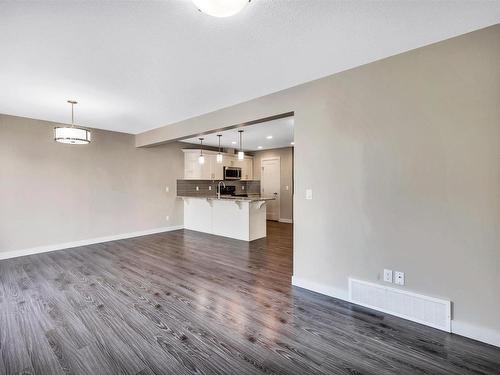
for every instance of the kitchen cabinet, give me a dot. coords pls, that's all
(228, 160)
(247, 169)
(211, 170)
(192, 169)
(246, 166)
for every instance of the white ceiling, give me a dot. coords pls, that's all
(138, 65)
(254, 136)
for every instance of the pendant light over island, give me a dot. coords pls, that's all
(241, 154)
(201, 158)
(219, 154)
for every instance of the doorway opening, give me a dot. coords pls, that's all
(265, 168)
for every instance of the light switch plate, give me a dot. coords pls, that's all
(388, 276)
(399, 278)
(309, 194)
(167, 189)
(197, 188)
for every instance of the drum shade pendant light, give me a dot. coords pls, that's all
(219, 155)
(220, 8)
(201, 158)
(241, 154)
(72, 134)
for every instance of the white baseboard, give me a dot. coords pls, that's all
(483, 334)
(478, 333)
(320, 288)
(68, 245)
(288, 221)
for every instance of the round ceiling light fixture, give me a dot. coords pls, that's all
(220, 8)
(72, 135)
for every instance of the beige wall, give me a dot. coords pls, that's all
(413, 177)
(52, 193)
(286, 176)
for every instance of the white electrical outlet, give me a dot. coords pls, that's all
(243, 187)
(388, 276)
(286, 187)
(167, 189)
(197, 188)
(399, 278)
(209, 187)
(309, 194)
(167, 218)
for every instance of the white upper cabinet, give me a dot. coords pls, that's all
(192, 169)
(211, 170)
(246, 166)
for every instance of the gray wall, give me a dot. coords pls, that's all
(412, 144)
(52, 193)
(286, 176)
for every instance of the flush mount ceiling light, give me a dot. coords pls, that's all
(219, 155)
(72, 134)
(201, 158)
(241, 154)
(269, 137)
(220, 8)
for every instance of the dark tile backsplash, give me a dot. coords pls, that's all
(188, 187)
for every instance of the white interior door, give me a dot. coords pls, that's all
(270, 186)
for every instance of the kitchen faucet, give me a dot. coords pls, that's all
(218, 188)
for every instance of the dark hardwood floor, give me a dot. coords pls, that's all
(190, 303)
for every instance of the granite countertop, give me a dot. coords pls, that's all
(250, 198)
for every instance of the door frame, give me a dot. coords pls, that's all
(279, 179)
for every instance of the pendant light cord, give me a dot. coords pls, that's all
(72, 102)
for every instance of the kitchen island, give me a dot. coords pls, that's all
(242, 218)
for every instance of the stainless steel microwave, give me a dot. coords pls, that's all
(232, 173)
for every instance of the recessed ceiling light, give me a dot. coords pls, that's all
(269, 137)
(220, 8)
(292, 143)
(259, 147)
(233, 142)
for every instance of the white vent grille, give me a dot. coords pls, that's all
(422, 309)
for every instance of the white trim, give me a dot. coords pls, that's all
(289, 221)
(320, 288)
(443, 302)
(483, 334)
(90, 241)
